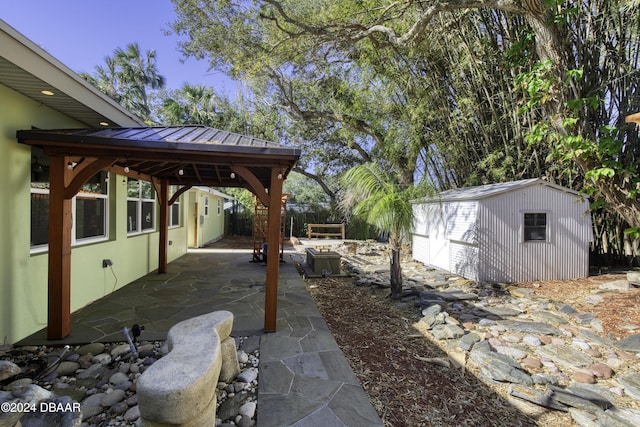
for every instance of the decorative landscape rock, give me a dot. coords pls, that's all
(92, 348)
(630, 343)
(616, 285)
(558, 341)
(631, 384)
(230, 366)
(565, 355)
(105, 404)
(8, 369)
(530, 327)
(48, 413)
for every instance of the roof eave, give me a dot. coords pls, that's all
(35, 61)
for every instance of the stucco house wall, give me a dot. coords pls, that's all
(206, 220)
(23, 269)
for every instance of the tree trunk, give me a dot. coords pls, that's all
(396, 274)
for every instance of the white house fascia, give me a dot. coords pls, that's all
(34, 60)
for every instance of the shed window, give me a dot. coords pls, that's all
(535, 226)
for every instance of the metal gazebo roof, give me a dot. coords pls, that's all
(185, 155)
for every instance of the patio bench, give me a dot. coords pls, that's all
(313, 230)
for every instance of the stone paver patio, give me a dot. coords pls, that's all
(305, 380)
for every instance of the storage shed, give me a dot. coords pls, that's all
(516, 231)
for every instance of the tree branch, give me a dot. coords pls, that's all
(416, 33)
(317, 179)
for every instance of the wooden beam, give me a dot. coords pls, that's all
(60, 220)
(80, 174)
(254, 183)
(179, 193)
(163, 201)
(273, 251)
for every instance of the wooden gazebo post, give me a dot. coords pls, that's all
(163, 201)
(66, 178)
(273, 251)
(212, 157)
(60, 220)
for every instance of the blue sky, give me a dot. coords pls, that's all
(81, 33)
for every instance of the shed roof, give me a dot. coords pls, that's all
(490, 190)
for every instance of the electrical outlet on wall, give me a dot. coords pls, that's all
(106, 263)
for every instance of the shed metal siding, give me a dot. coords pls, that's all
(461, 221)
(463, 259)
(448, 232)
(505, 257)
(420, 234)
(420, 248)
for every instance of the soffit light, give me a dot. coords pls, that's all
(46, 92)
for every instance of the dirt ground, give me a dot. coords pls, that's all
(617, 311)
(387, 354)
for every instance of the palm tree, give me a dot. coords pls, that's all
(136, 73)
(198, 104)
(192, 104)
(126, 77)
(373, 194)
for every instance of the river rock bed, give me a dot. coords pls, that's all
(542, 355)
(95, 384)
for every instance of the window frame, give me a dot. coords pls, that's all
(75, 241)
(140, 202)
(535, 226)
(176, 206)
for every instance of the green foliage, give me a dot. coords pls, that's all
(537, 83)
(129, 77)
(304, 191)
(474, 96)
(634, 232)
(244, 197)
(375, 195)
(202, 106)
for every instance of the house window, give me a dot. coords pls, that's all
(89, 206)
(174, 215)
(174, 209)
(219, 206)
(206, 205)
(535, 226)
(141, 206)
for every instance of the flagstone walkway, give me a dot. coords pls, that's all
(304, 379)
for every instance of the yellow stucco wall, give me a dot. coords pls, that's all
(209, 227)
(23, 275)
